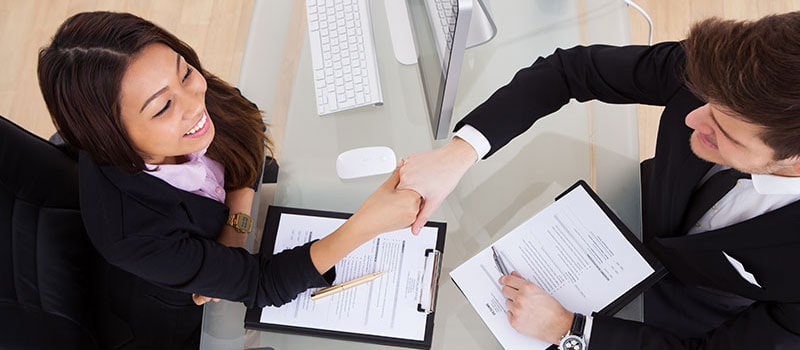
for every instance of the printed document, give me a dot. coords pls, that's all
(571, 249)
(387, 306)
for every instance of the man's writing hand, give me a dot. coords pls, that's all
(534, 312)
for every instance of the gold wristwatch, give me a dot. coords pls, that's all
(241, 222)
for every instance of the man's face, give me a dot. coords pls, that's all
(721, 138)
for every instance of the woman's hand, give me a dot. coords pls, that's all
(434, 174)
(533, 312)
(388, 209)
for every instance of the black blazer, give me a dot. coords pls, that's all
(767, 245)
(160, 243)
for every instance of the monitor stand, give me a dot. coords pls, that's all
(481, 28)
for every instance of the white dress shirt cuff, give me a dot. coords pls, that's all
(475, 139)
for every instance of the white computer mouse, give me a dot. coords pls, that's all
(365, 161)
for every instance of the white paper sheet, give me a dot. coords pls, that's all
(386, 306)
(571, 249)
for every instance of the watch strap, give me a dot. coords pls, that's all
(578, 323)
(573, 340)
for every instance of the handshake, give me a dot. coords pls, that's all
(416, 188)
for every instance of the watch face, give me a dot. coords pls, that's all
(572, 342)
(244, 222)
(240, 222)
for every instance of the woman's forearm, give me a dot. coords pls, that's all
(326, 252)
(238, 201)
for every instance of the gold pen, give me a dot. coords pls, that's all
(344, 286)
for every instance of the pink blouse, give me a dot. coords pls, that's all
(199, 175)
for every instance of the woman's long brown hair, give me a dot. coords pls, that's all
(80, 74)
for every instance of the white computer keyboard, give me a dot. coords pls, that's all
(343, 55)
(442, 15)
(447, 12)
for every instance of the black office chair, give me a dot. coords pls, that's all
(47, 264)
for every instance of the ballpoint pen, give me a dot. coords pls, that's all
(498, 261)
(344, 286)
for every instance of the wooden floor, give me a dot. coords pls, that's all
(217, 29)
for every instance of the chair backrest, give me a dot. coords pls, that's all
(46, 260)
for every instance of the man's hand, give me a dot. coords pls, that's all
(533, 312)
(434, 174)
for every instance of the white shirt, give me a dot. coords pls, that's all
(748, 199)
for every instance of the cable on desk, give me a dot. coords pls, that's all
(646, 16)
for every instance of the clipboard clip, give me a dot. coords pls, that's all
(433, 267)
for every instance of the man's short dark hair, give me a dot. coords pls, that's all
(752, 69)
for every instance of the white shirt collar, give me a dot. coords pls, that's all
(773, 184)
(764, 183)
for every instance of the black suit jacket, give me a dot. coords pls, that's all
(160, 243)
(767, 245)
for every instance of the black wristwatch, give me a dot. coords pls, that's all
(573, 340)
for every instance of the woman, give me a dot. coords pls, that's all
(168, 155)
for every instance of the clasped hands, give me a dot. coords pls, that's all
(416, 188)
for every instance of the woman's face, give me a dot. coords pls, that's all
(163, 106)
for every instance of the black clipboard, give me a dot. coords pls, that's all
(433, 259)
(659, 270)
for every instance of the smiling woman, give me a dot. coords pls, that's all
(62, 62)
(168, 156)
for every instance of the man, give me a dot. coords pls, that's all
(731, 93)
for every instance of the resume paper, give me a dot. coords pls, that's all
(387, 306)
(571, 249)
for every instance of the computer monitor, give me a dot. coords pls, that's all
(442, 30)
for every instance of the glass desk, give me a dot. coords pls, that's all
(591, 141)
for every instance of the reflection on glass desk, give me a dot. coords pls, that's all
(592, 141)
